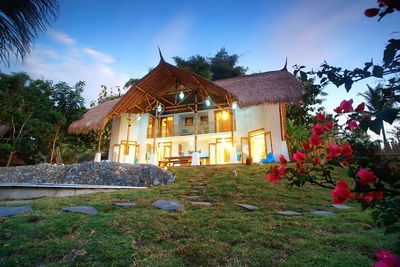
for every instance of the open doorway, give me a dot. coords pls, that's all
(223, 150)
(260, 144)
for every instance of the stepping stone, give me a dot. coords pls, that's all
(167, 205)
(125, 204)
(89, 210)
(289, 213)
(323, 213)
(11, 211)
(201, 203)
(248, 207)
(193, 197)
(341, 207)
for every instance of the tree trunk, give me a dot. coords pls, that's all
(10, 158)
(385, 143)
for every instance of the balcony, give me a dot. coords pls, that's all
(183, 130)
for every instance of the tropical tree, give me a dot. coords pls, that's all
(223, 65)
(20, 24)
(220, 66)
(376, 101)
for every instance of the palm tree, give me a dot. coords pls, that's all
(20, 23)
(376, 101)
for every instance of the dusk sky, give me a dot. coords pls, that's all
(108, 42)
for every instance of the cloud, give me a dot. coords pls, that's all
(61, 37)
(76, 63)
(96, 55)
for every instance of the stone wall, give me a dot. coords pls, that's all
(91, 173)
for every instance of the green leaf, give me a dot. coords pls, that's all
(377, 71)
(393, 229)
(388, 114)
(375, 126)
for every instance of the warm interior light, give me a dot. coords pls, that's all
(139, 118)
(181, 95)
(234, 105)
(225, 115)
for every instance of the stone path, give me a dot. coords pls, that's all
(125, 204)
(11, 211)
(323, 213)
(341, 207)
(248, 207)
(289, 213)
(89, 210)
(167, 205)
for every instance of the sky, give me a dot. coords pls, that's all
(107, 42)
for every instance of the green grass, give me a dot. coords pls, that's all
(221, 234)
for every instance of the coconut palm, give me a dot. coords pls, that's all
(20, 23)
(376, 101)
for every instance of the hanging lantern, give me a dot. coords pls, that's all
(159, 108)
(181, 95)
(208, 101)
(234, 105)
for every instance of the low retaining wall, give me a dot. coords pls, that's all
(31, 191)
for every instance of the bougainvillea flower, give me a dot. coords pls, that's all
(347, 151)
(371, 12)
(329, 126)
(316, 161)
(345, 163)
(283, 160)
(366, 117)
(299, 157)
(386, 259)
(347, 105)
(334, 151)
(275, 175)
(373, 195)
(360, 107)
(318, 129)
(320, 117)
(341, 193)
(366, 176)
(315, 140)
(338, 109)
(306, 146)
(352, 125)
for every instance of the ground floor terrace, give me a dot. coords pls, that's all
(215, 148)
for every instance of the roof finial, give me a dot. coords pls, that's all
(161, 56)
(285, 67)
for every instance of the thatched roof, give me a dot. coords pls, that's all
(266, 87)
(162, 84)
(93, 120)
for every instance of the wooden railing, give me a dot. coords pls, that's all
(182, 130)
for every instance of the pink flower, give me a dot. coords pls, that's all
(338, 110)
(366, 117)
(341, 193)
(274, 175)
(352, 125)
(306, 146)
(329, 126)
(366, 177)
(316, 161)
(320, 117)
(299, 157)
(346, 105)
(318, 129)
(315, 140)
(386, 259)
(347, 151)
(360, 107)
(283, 160)
(373, 195)
(371, 12)
(334, 152)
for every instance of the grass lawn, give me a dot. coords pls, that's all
(221, 234)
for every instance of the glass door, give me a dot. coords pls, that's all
(167, 126)
(164, 150)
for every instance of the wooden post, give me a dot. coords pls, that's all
(155, 131)
(232, 130)
(99, 144)
(126, 149)
(195, 121)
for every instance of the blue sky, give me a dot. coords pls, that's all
(108, 42)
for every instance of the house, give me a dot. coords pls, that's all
(171, 112)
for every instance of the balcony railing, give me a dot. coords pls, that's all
(182, 130)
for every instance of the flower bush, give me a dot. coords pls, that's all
(369, 180)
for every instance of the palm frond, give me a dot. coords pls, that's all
(20, 23)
